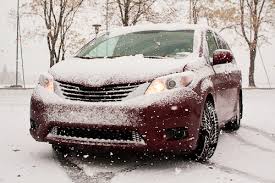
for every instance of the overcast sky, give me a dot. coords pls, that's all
(35, 53)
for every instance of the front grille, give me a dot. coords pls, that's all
(111, 93)
(97, 135)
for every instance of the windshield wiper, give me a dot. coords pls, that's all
(85, 57)
(154, 57)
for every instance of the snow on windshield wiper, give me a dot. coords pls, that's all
(85, 57)
(153, 57)
(182, 54)
(156, 57)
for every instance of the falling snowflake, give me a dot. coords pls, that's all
(86, 156)
(174, 108)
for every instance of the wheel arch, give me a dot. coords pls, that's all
(210, 97)
(207, 91)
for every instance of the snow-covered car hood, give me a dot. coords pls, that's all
(122, 70)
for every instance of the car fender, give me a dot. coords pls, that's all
(205, 88)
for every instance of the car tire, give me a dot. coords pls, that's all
(235, 123)
(208, 134)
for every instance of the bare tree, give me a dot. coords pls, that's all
(131, 11)
(58, 17)
(216, 14)
(194, 11)
(167, 11)
(252, 16)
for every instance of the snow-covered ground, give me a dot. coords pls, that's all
(247, 156)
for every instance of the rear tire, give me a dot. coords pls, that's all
(235, 123)
(208, 135)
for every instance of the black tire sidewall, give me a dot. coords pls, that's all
(205, 147)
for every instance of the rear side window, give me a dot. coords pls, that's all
(226, 47)
(221, 43)
(212, 45)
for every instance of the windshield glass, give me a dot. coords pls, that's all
(149, 43)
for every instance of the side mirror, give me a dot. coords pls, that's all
(222, 57)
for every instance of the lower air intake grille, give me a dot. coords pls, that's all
(110, 93)
(97, 135)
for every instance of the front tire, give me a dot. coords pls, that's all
(208, 135)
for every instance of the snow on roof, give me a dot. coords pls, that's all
(148, 27)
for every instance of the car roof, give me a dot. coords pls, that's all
(154, 27)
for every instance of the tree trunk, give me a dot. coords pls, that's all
(52, 62)
(63, 55)
(252, 53)
(125, 23)
(195, 15)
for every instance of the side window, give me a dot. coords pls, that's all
(212, 45)
(226, 46)
(221, 43)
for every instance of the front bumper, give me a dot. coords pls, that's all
(149, 116)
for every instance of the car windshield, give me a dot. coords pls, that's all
(148, 43)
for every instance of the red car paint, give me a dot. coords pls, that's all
(155, 119)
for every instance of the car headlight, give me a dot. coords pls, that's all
(170, 82)
(46, 80)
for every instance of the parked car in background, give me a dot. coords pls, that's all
(159, 88)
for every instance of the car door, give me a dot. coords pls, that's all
(234, 79)
(221, 81)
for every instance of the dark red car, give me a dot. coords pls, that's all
(158, 88)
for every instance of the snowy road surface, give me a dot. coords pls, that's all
(247, 156)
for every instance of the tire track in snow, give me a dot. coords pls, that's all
(270, 136)
(265, 134)
(240, 173)
(78, 175)
(247, 143)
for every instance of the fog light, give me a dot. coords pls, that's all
(176, 133)
(33, 124)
